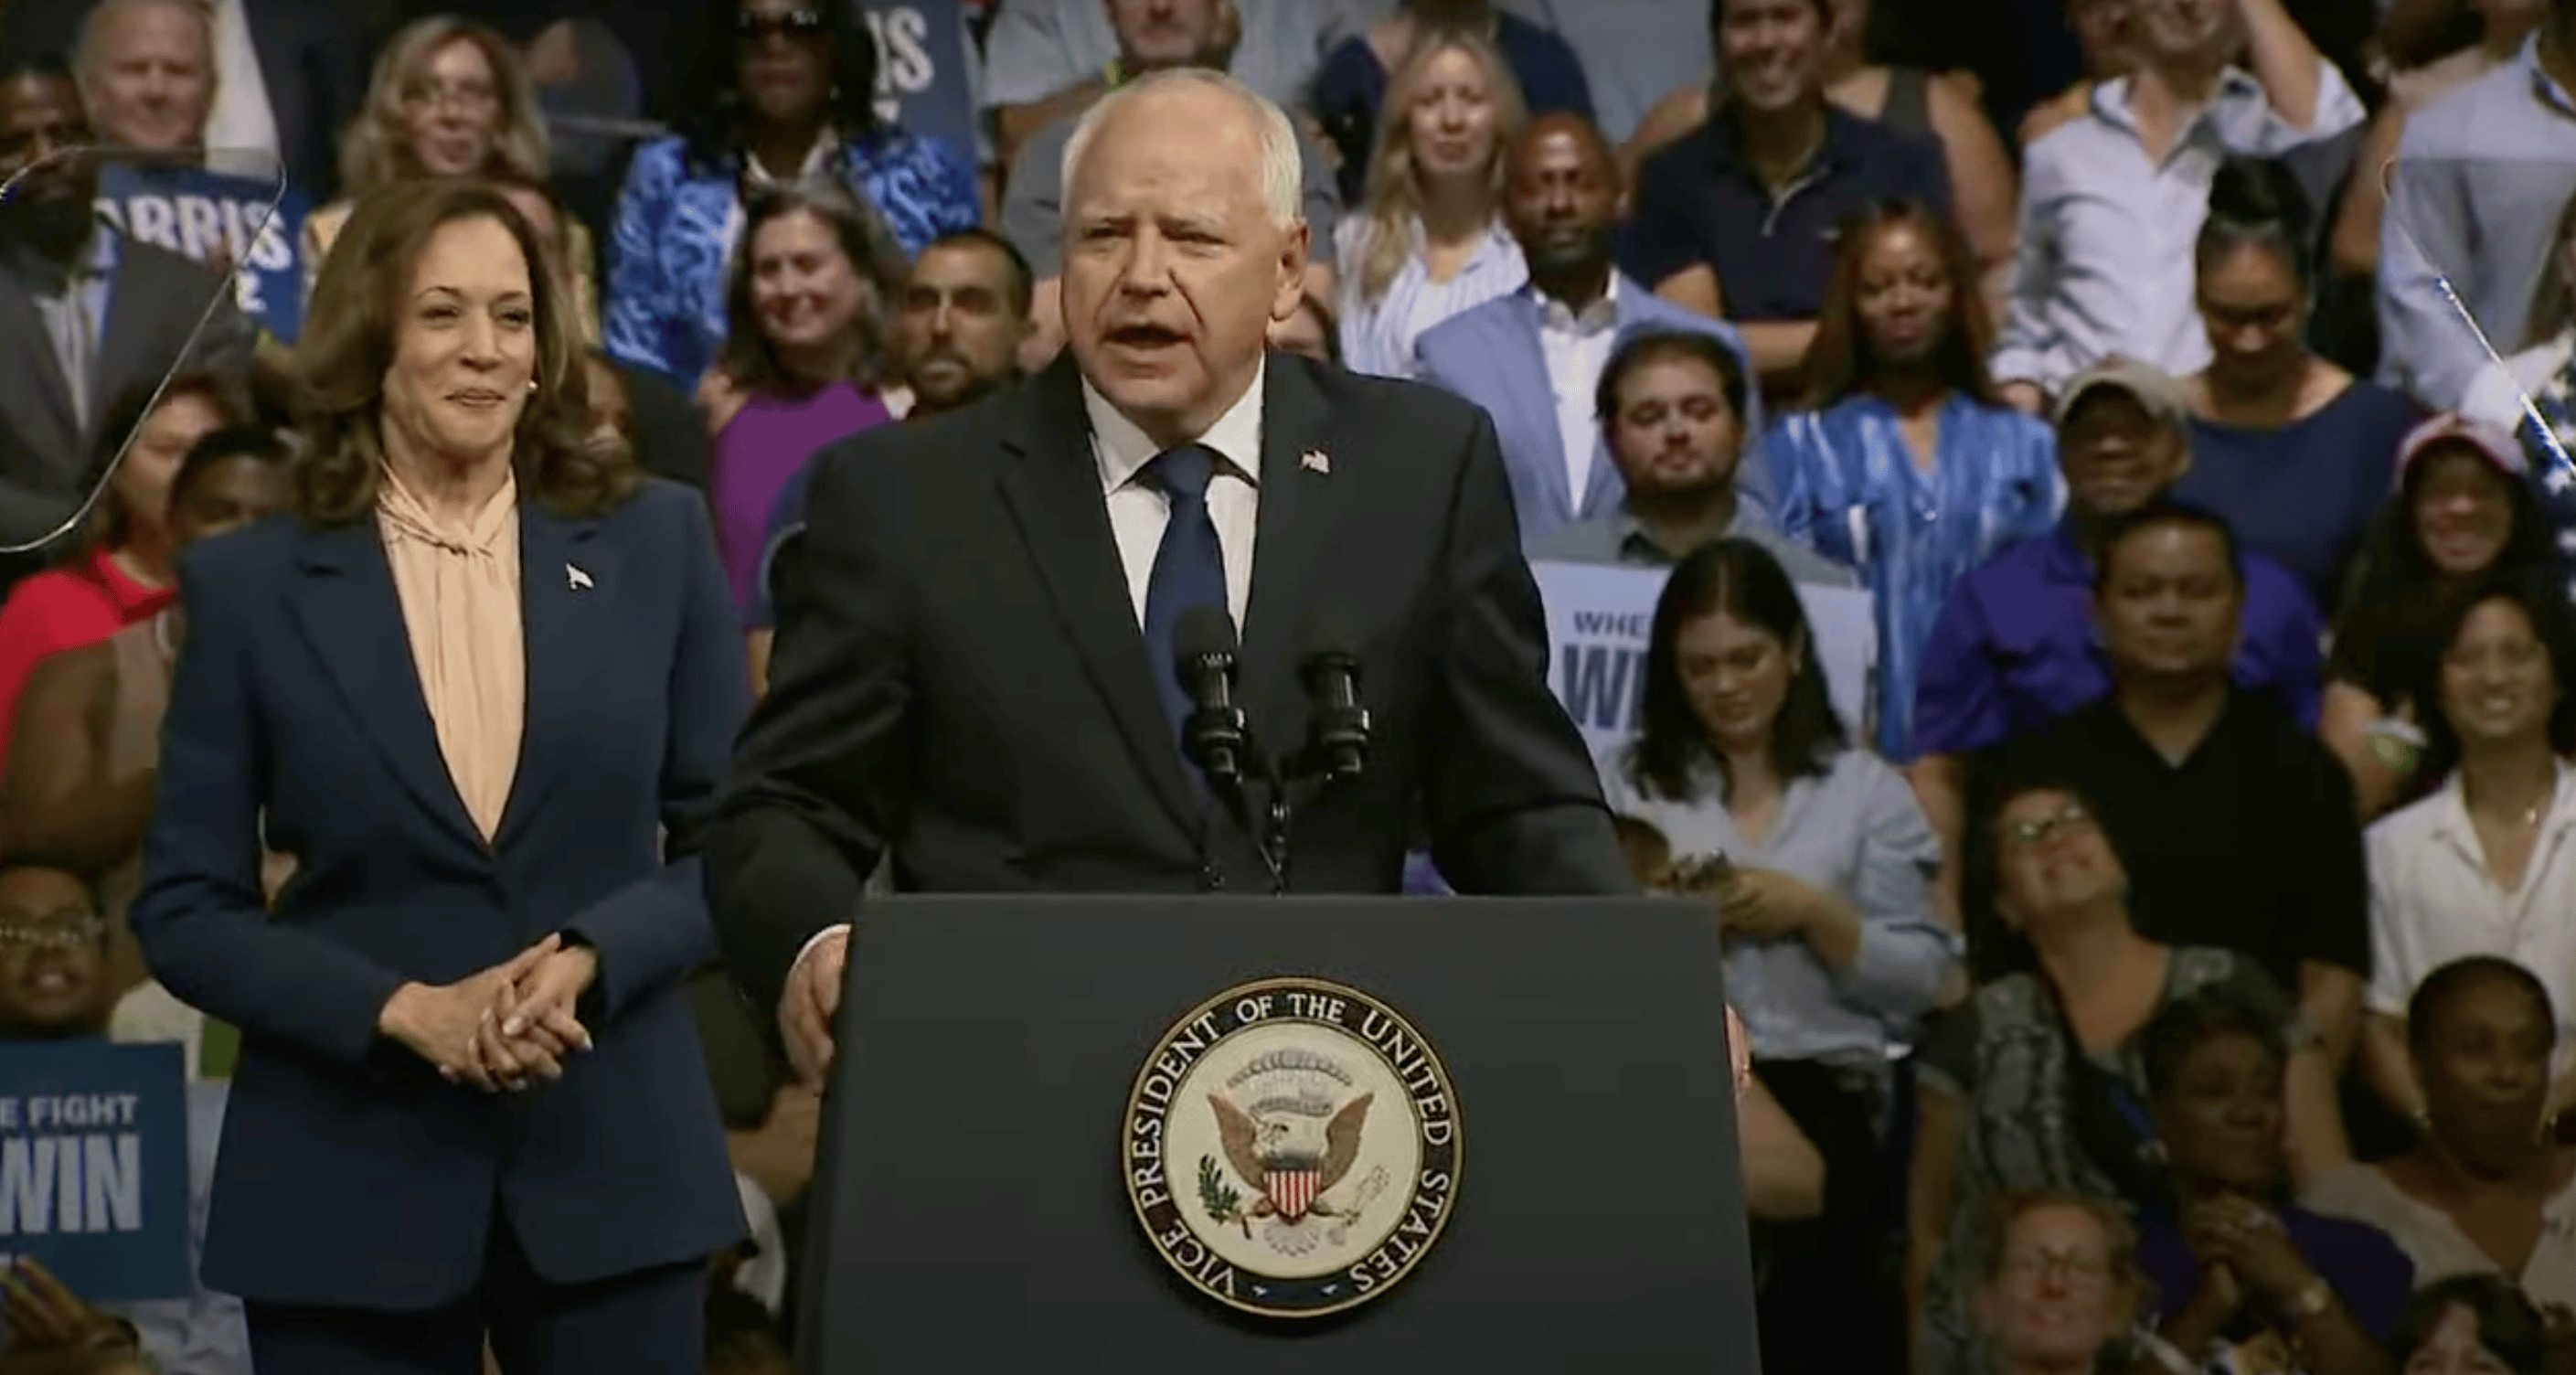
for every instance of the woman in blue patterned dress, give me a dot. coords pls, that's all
(793, 98)
(1904, 463)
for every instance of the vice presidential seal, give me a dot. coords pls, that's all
(1292, 1147)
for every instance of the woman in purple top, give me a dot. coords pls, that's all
(801, 362)
(2242, 1278)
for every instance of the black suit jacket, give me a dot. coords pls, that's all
(313, 61)
(959, 676)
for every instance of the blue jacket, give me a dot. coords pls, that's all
(1491, 355)
(349, 1175)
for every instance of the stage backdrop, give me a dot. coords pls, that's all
(1599, 619)
(94, 1166)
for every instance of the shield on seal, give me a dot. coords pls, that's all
(1292, 1192)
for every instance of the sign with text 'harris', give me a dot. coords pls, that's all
(94, 1165)
(922, 77)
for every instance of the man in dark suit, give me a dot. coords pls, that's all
(959, 677)
(85, 312)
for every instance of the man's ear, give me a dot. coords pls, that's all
(1290, 290)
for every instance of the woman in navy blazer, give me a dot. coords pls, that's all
(470, 1097)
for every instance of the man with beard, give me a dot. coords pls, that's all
(85, 312)
(964, 320)
(1563, 198)
(1670, 403)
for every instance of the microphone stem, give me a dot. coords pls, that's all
(1274, 841)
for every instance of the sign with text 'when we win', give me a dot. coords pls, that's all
(1600, 618)
(94, 1165)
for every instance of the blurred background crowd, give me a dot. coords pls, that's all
(2174, 967)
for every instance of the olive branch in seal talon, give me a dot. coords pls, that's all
(1223, 1204)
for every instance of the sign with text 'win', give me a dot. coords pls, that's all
(94, 1165)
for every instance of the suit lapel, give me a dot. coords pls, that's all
(1298, 505)
(568, 590)
(345, 603)
(43, 412)
(1523, 364)
(135, 293)
(1052, 486)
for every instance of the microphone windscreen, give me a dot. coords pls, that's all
(1204, 632)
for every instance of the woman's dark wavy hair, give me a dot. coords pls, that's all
(2393, 573)
(2542, 600)
(2509, 1324)
(1740, 578)
(348, 342)
(748, 357)
(1840, 361)
(2453, 982)
(714, 131)
(2258, 203)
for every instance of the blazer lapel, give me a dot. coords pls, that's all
(1290, 537)
(42, 413)
(568, 589)
(1522, 363)
(136, 292)
(345, 602)
(1052, 487)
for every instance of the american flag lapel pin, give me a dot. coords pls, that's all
(1316, 461)
(575, 578)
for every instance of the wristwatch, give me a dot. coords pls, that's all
(2309, 1302)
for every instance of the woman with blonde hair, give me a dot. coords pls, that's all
(449, 98)
(1429, 241)
(471, 686)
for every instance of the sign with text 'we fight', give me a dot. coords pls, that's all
(94, 1165)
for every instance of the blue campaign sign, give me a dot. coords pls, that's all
(94, 1165)
(210, 217)
(922, 80)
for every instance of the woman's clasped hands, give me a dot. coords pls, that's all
(509, 1027)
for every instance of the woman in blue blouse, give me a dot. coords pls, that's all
(1822, 865)
(792, 98)
(1905, 463)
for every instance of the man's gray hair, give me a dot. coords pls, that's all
(88, 52)
(1283, 171)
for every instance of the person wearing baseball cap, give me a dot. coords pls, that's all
(2465, 507)
(2014, 648)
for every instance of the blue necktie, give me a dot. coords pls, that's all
(1189, 568)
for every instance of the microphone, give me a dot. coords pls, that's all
(1337, 726)
(1216, 734)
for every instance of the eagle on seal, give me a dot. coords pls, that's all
(1277, 1152)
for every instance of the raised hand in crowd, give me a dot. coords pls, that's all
(443, 1024)
(52, 1331)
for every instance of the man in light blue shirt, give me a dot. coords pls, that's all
(2481, 179)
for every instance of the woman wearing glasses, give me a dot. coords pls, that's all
(791, 97)
(2037, 1081)
(448, 99)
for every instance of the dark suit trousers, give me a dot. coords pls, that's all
(649, 1323)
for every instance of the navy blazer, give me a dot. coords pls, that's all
(350, 1175)
(1491, 355)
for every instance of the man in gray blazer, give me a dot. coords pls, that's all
(1533, 359)
(86, 314)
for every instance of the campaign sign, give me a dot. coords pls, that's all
(922, 81)
(94, 1165)
(1600, 617)
(213, 217)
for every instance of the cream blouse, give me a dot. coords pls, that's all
(459, 588)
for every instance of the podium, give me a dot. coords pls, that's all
(973, 1207)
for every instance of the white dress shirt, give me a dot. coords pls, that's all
(242, 121)
(2432, 901)
(1577, 348)
(1138, 510)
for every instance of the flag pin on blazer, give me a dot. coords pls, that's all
(1316, 461)
(575, 578)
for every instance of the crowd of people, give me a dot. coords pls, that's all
(2168, 970)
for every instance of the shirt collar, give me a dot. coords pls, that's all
(2544, 87)
(1602, 314)
(2452, 821)
(96, 261)
(817, 161)
(2111, 98)
(1725, 145)
(1123, 449)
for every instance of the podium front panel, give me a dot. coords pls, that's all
(972, 1215)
